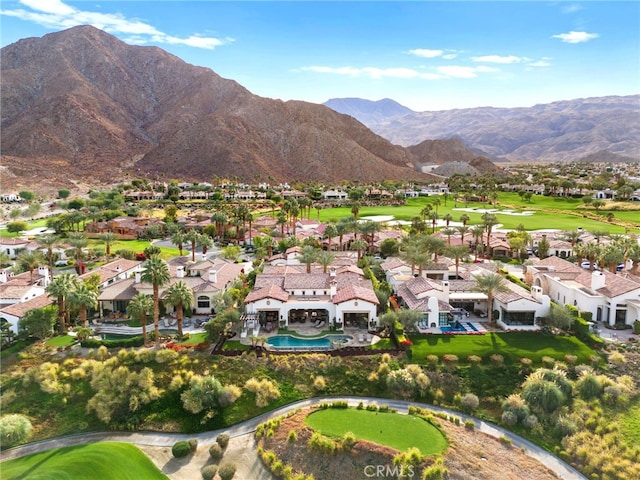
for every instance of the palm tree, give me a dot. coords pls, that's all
(204, 242)
(477, 231)
(325, 258)
(457, 252)
(448, 232)
(359, 245)
(83, 297)
(192, 237)
(49, 241)
(355, 210)
(463, 230)
(60, 288)
(489, 220)
(108, 238)
(79, 242)
(308, 255)
(178, 239)
(464, 218)
(180, 296)
(139, 308)
(330, 231)
(156, 272)
(30, 260)
(490, 284)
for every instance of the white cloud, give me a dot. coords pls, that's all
(426, 53)
(458, 71)
(441, 72)
(55, 14)
(571, 8)
(49, 6)
(498, 59)
(576, 37)
(372, 72)
(543, 62)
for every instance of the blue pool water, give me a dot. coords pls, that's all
(461, 328)
(287, 341)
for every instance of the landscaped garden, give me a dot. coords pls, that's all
(401, 432)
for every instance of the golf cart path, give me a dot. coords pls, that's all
(154, 439)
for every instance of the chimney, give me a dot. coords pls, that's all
(180, 271)
(118, 268)
(445, 289)
(597, 280)
(138, 277)
(536, 292)
(3, 276)
(332, 272)
(213, 276)
(44, 273)
(333, 285)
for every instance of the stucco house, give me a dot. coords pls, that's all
(286, 294)
(613, 298)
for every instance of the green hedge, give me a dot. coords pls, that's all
(123, 343)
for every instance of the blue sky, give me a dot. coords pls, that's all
(425, 55)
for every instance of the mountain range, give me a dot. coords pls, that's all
(82, 106)
(606, 128)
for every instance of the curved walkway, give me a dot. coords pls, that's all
(562, 469)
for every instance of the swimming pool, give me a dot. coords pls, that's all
(322, 343)
(459, 327)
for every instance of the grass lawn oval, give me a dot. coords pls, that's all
(102, 460)
(390, 429)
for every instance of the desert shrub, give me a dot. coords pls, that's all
(469, 425)
(292, 437)
(348, 440)
(14, 428)
(530, 421)
(474, 360)
(193, 444)
(516, 404)
(222, 440)
(509, 418)
(166, 355)
(215, 452)
(497, 360)
(469, 402)
(209, 471)
(227, 471)
(432, 360)
(565, 426)
(505, 441)
(319, 384)
(616, 358)
(181, 449)
(228, 395)
(264, 389)
(548, 362)
(437, 471)
(589, 385)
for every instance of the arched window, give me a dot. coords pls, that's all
(204, 301)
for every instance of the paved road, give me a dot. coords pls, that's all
(562, 469)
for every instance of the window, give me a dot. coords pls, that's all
(204, 301)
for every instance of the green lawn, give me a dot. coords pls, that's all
(32, 224)
(194, 339)
(391, 429)
(549, 212)
(60, 341)
(512, 345)
(631, 424)
(103, 460)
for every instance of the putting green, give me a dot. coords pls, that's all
(102, 460)
(391, 429)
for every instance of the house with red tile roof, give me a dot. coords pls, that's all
(613, 298)
(285, 294)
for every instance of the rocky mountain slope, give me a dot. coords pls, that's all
(81, 105)
(559, 131)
